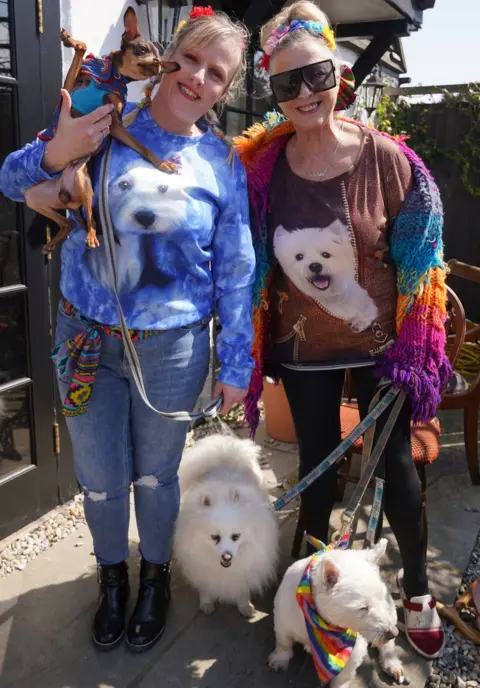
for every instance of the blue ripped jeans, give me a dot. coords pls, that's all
(120, 441)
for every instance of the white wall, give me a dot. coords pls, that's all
(99, 23)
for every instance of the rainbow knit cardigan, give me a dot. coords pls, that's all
(416, 362)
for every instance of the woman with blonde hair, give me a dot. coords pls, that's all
(348, 238)
(183, 249)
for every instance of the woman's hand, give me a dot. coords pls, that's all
(231, 396)
(75, 137)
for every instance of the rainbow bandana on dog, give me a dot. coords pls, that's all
(331, 646)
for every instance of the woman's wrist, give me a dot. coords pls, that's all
(53, 161)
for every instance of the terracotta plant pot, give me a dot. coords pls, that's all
(278, 419)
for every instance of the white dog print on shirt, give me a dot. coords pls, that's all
(143, 202)
(321, 263)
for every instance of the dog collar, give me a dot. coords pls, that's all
(331, 646)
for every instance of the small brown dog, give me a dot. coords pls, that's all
(94, 82)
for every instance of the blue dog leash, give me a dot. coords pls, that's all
(370, 460)
(212, 409)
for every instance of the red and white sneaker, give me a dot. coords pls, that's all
(423, 626)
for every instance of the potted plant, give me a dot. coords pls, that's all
(278, 418)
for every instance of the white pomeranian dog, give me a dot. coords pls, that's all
(226, 536)
(348, 593)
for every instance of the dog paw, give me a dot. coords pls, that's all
(68, 42)
(65, 38)
(394, 668)
(164, 165)
(92, 241)
(279, 660)
(207, 607)
(246, 609)
(358, 325)
(48, 248)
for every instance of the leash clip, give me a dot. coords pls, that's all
(345, 528)
(212, 409)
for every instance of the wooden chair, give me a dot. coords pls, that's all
(425, 437)
(469, 399)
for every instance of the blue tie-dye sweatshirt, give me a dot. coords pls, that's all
(183, 241)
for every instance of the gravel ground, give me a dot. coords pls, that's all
(57, 525)
(459, 664)
(66, 519)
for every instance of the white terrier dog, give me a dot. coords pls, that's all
(226, 537)
(321, 263)
(348, 593)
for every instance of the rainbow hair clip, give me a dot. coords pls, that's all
(316, 28)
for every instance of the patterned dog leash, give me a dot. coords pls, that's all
(370, 460)
(212, 409)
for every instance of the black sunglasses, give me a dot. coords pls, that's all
(319, 76)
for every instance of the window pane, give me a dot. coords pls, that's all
(10, 272)
(13, 353)
(15, 433)
(5, 47)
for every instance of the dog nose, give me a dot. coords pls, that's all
(315, 267)
(390, 635)
(226, 557)
(145, 217)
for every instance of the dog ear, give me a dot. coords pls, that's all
(280, 230)
(330, 574)
(130, 23)
(168, 66)
(375, 554)
(338, 232)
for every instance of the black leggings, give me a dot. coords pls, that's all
(314, 399)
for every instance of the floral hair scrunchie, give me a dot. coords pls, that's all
(202, 12)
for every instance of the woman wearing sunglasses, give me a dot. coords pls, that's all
(347, 230)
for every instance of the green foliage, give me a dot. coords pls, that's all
(415, 121)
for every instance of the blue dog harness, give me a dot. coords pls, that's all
(104, 78)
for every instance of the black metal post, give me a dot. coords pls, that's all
(250, 86)
(371, 56)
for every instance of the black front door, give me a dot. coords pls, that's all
(34, 475)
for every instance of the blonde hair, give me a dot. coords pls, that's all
(304, 9)
(200, 32)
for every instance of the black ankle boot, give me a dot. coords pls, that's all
(109, 620)
(148, 619)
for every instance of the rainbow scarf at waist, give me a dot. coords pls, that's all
(77, 359)
(331, 646)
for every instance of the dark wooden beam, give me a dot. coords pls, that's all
(250, 86)
(424, 4)
(258, 12)
(399, 27)
(372, 55)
